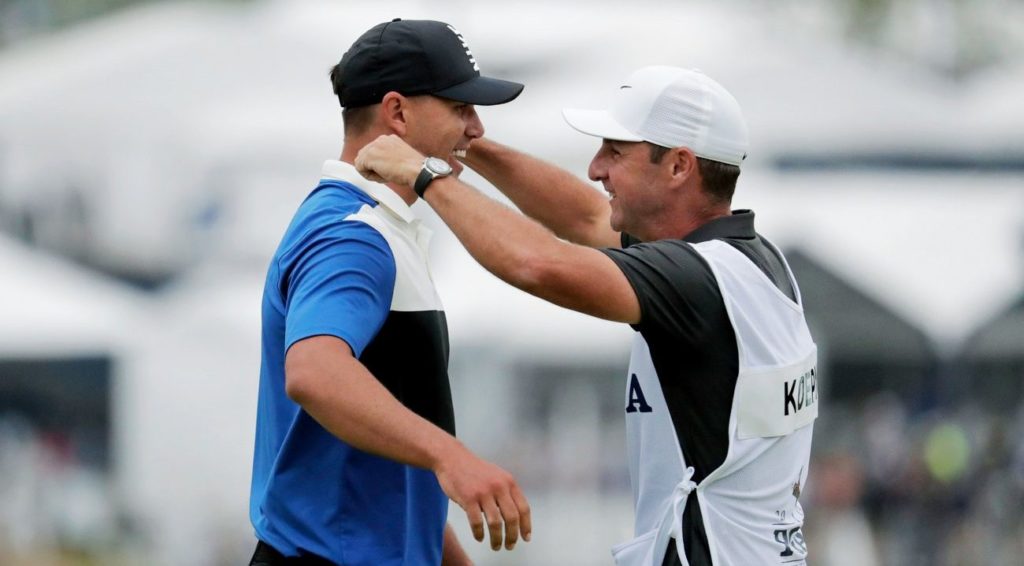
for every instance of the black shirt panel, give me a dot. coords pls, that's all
(738, 225)
(695, 537)
(409, 356)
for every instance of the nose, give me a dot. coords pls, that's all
(598, 170)
(474, 126)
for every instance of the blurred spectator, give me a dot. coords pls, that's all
(841, 534)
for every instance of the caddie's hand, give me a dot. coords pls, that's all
(388, 159)
(486, 492)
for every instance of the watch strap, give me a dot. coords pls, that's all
(422, 181)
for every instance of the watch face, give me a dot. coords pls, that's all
(437, 166)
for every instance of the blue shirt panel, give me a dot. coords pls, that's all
(311, 492)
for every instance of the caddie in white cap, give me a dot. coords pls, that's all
(721, 394)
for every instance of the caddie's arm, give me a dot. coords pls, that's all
(513, 247)
(571, 208)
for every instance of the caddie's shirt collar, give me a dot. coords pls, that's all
(738, 225)
(341, 171)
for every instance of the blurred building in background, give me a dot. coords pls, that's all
(151, 154)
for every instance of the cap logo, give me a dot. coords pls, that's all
(466, 47)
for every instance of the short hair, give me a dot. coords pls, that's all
(356, 120)
(657, 152)
(719, 179)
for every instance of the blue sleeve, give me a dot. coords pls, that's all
(338, 284)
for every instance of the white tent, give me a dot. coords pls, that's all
(188, 418)
(941, 250)
(53, 307)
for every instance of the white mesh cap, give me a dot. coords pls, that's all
(671, 107)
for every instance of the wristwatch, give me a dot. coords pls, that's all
(433, 167)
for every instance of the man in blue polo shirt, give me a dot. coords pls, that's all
(355, 455)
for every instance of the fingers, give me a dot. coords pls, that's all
(525, 520)
(389, 159)
(476, 522)
(488, 495)
(509, 510)
(363, 168)
(510, 513)
(369, 158)
(514, 511)
(494, 522)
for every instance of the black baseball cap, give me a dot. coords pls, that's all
(415, 57)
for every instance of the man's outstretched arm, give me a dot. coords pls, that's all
(516, 249)
(568, 206)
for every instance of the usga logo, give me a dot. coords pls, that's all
(466, 47)
(793, 541)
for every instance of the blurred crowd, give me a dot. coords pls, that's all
(57, 507)
(891, 485)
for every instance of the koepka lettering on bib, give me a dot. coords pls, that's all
(777, 401)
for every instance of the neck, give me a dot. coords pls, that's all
(682, 225)
(707, 215)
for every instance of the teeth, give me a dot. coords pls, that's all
(459, 152)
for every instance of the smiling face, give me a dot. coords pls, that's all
(636, 186)
(442, 128)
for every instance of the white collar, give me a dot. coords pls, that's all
(381, 193)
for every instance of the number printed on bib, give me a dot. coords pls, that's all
(777, 401)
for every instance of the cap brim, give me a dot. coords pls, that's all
(598, 123)
(483, 91)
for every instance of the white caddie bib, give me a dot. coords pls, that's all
(750, 503)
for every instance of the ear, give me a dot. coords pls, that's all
(393, 109)
(684, 165)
